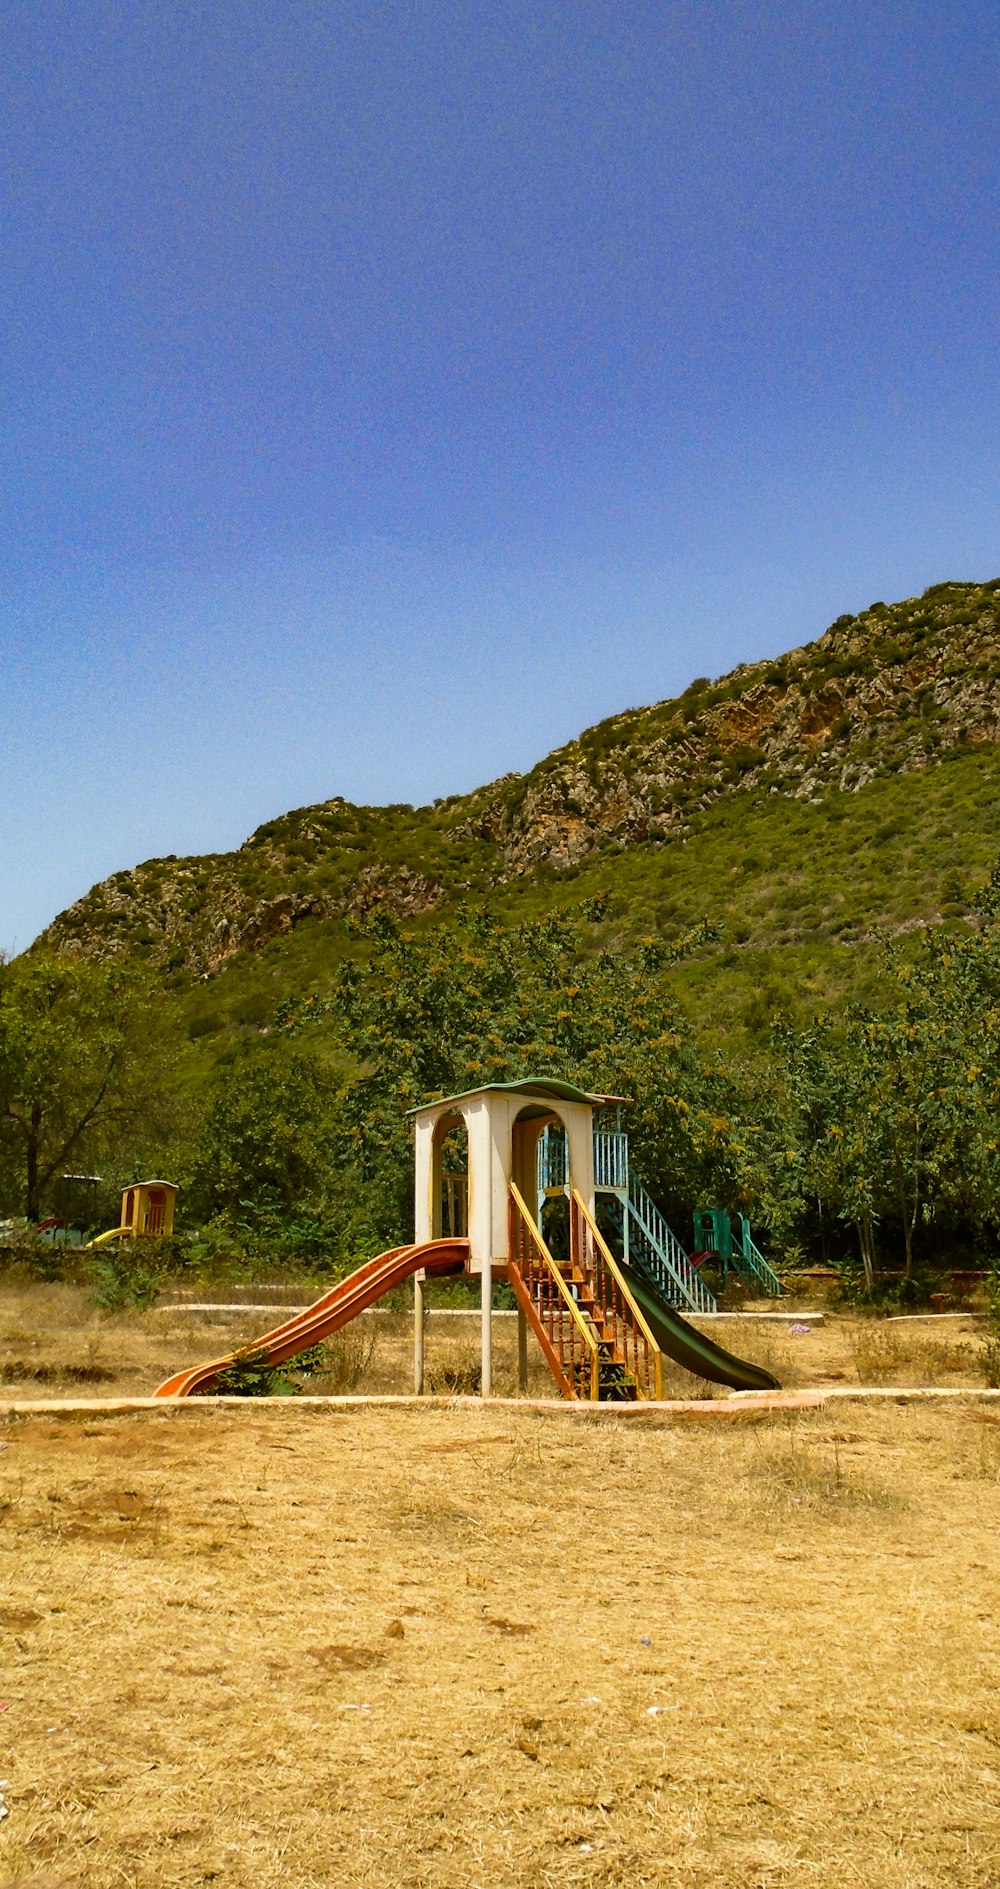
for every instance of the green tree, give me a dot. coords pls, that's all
(78, 1068)
(265, 1137)
(895, 1110)
(454, 1008)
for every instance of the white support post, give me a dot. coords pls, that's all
(418, 1337)
(522, 1350)
(486, 1384)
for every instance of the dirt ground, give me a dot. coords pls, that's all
(54, 1343)
(431, 1648)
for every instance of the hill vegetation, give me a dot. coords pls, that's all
(891, 693)
(807, 809)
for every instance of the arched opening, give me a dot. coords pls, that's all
(552, 1182)
(450, 1179)
(540, 1169)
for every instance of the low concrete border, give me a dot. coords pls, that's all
(754, 1402)
(737, 1404)
(186, 1307)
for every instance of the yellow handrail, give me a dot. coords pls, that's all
(550, 1270)
(553, 1268)
(618, 1272)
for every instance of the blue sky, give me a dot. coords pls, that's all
(390, 391)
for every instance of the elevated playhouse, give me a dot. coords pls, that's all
(487, 1162)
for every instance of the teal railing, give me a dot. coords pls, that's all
(659, 1253)
(646, 1237)
(749, 1260)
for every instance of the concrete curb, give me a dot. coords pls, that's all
(746, 1404)
(186, 1308)
(737, 1404)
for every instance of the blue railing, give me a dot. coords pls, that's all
(645, 1235)
(552, 1160)
(610, 1159)
(659, 1252)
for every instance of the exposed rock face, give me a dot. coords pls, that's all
(272, 918)
(402, 892)
(891, 690)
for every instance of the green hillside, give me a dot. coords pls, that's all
(798, 804)
(792, 816)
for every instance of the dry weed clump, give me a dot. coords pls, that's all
(886, 1354)
(347, 1360)
(813, 1472)
(430, 1649)
(460, 1375)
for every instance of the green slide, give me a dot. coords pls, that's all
(690, 1348)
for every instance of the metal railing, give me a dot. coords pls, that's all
(646, 1237)
(656, 1249)
(745, 1253)
(610, 1159)
(566, 1335)
(552, 1159)
(633, 1361)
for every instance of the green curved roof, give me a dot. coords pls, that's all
(548, 1088)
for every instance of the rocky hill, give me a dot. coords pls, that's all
(894, 690)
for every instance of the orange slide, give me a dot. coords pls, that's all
(334, 1309)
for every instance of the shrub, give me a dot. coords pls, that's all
(129, 1275)
(207, 1024)
(252, 1375)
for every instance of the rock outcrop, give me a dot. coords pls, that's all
(892, 690)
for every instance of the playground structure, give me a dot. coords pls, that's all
(74, 1198)
(725, 1239)
(147, 1213)
(603, 1322)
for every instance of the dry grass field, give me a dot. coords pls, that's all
(437, 1648)
(54, 1343)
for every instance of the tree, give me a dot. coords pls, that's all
(895, 1110)
(76, 1067)
(461, 1006)
(264, 1141)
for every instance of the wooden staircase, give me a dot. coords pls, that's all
(591, 1332)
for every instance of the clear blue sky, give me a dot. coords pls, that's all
(391, 390)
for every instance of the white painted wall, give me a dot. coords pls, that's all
(489, 1117)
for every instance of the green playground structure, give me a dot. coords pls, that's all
(724, 1238)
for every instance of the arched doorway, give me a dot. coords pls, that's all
(451, 1178)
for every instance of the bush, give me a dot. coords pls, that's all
(207, 1024)
(130, 1274)
(252, 1375)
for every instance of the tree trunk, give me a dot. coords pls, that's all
(867, 1249)
(908, 1225)
(33, 1205)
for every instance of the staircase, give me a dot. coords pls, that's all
(752, 1267)
(592, 1334)
(647, 1241)
(652, 1246)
